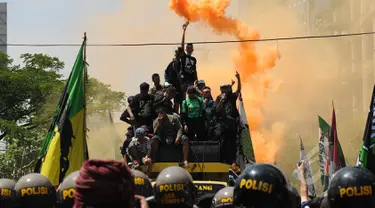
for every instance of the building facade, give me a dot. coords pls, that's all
(3, 42)
(355, 66)
(3, 27)
(356, 63)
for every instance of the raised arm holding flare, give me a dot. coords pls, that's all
(184, 26)
(188, 73)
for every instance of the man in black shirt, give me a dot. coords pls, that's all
(227, 113)
(172, 76)
(125, 116)
(142, 107)
(189, 63)
(157, 86)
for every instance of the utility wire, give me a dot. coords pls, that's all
(196, 43)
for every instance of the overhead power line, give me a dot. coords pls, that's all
(196, 43)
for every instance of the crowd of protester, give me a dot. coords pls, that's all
(107, 184)
(174, 113)
(180, 110)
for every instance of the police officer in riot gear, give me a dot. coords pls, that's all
(174, 188)
(352, 187)
(262, 185)
(223, 198)
(35, 191)
(66, 192)
(7, 193)
(142, 183)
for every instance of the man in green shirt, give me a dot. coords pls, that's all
(193, 116)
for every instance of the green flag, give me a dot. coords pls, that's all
(324, 130)
(366, 157)
(64, 149)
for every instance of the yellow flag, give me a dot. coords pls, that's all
(64, 149)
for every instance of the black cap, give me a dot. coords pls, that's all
(66, 192)
(35, 190)
(261, 185)
(352, 187)
(174, 188)
(142, 183)
(130, 98)
(223, 198)
(7, 193)
(191, 90)
(144, 86)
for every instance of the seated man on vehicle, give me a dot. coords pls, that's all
(193, 116)
(124, 149)
(139, 148)
(168, 130)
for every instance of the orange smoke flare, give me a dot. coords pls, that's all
(248, 62)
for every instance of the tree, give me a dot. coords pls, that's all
(28, 98)
(100, 97)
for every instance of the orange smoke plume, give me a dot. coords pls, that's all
(248, 62)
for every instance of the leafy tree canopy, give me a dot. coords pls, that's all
(28, 98)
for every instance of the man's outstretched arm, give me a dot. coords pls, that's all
(184, 26)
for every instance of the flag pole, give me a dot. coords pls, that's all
(85, 80)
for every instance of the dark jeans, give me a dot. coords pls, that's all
(169, 140)
(229, 146)
(196, 129)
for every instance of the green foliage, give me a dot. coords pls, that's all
(100, 97)
(28, 98)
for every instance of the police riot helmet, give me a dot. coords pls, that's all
(66, 191)
(7, 193)
(174, 188)
(352, 187)
(294, 197)
(223, 198)
(142, 183)
(35, 190)
(261, 185)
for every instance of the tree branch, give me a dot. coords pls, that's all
(3, 110)
(28, 165)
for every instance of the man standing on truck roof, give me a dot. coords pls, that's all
(193, 116)
(227, 112)
(157, 86)
(141, 107)
(172, 76)
(189, 73)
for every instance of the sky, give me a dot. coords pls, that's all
(58, 21)
(114, 21)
